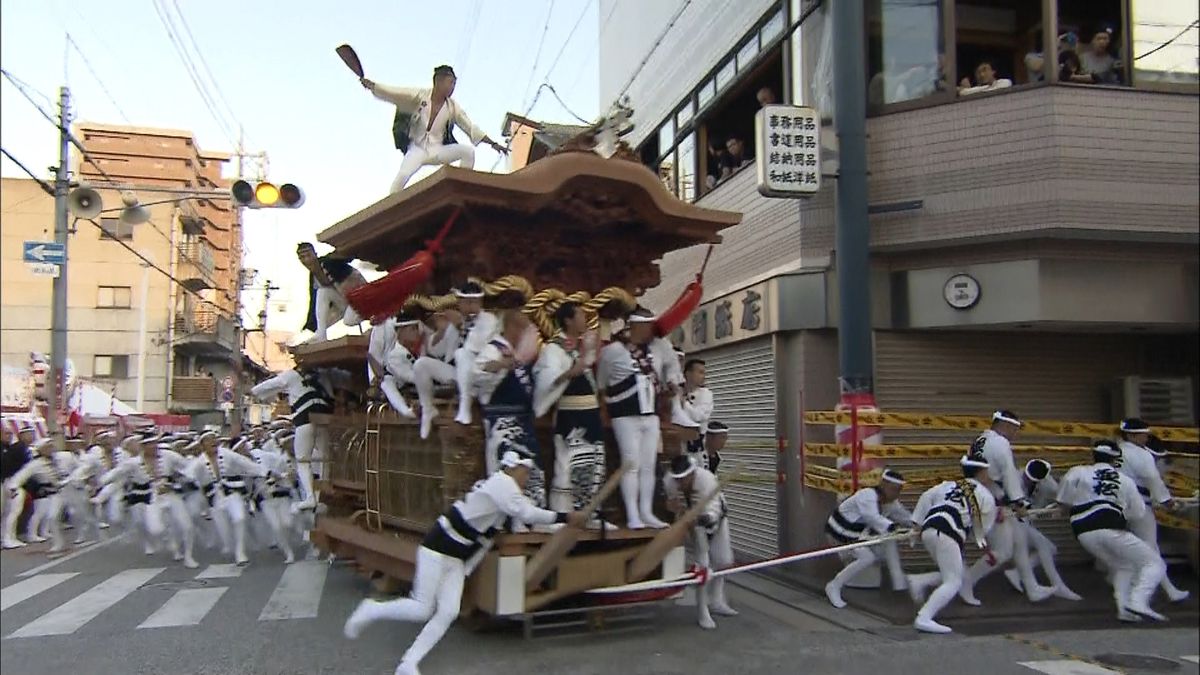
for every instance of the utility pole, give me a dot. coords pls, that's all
(58, 317)
(240, 333)
(853, 229)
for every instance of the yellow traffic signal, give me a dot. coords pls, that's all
(266, 195)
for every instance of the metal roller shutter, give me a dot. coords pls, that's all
(742, 380)
(1037, 375)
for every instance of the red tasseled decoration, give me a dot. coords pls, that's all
(384, 297)
(685, 304)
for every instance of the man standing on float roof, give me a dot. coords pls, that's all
(424, 125)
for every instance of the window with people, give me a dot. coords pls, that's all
(710, 136)
(931, 50)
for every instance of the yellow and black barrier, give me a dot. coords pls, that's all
(978, 424)
(927, 450)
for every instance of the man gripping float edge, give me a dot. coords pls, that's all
(454, 546)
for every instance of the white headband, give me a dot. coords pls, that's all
(1036, 462)
(967, 461)
(512, 459)
(1109, 449)
(719, 430)
(683, 474)
(1001, 417)
(638, 318)
(407, 322)
(892, 477)
(468, 296)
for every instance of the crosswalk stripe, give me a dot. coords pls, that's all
(221, 571)
(186, 608)
(73, 614)
(298, 594)
(1193, 659)
(1067, 667)
(24, 590)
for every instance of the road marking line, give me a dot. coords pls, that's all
(24, 590)
(73, 614)
(186, 608)
(1065, 667)
(1193, 659)
(298, 594)
(70, 556)
(221, 571)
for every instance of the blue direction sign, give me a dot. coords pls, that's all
(45, 252)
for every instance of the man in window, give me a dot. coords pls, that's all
(738, 156)
(766, 97)
(718, 162)
(985, 80)
(1098, 62)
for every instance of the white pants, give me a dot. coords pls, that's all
(638, 439)
(1136, 568)
(435, 599)
(1146, 529)
(176, 514)
(860, 559)
(713, 552)
(147, 522)
(1045, 550)
(278, 513)
(230, 517)
(331, 308)
(1008, 540)
(312, 446)
(13, 505)
(946, 552)
(47, 513)
(83, 515)
(391, 389)
(112, 499)
(428, 371)
(417, 157)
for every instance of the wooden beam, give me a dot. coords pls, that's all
(673, 536)
(551, 553)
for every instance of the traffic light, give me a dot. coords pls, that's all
(266, 195)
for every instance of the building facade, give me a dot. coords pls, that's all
(190, 357)
(1033, 246)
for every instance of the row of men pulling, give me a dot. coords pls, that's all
(496, 361)
(1110, 505)
(161, 487)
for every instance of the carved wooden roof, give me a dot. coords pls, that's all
(348, 351)
(573, 221)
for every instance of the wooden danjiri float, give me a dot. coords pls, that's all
(572, 225)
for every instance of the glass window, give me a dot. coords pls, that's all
(1091, 42)
(998, 43)
(685, 115)
(111, 366)
(707, 92)
(773, 28)
(666, 172)
(114, 228)
(666, 135)
(1165, 39)
(725, 75)
(687, 168)
(906, 54)
(746, 54)
(113, 296)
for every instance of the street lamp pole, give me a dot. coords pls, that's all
(58, 317)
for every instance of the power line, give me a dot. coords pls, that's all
(558, 98)
(538, 55)
(566, 42)
(654, 48)
(1168, 42)
(468, 32)
(192, 73)
(595, 52)
(45, 186)
(99, 81)
(204, 63)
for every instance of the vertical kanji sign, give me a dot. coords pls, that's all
(787, 143)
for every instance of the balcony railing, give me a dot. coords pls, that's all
(194, 390)
(197, 255)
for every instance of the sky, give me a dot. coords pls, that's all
(274, 74)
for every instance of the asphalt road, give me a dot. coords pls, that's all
(115, 611)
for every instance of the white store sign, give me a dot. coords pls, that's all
(787, 145)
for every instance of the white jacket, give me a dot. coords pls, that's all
(1001, 467)
(702, 485)
(419, 103)
(1139, 464)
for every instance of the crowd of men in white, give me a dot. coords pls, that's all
(166, 490)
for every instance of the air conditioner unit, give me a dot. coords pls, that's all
(1158, 400)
